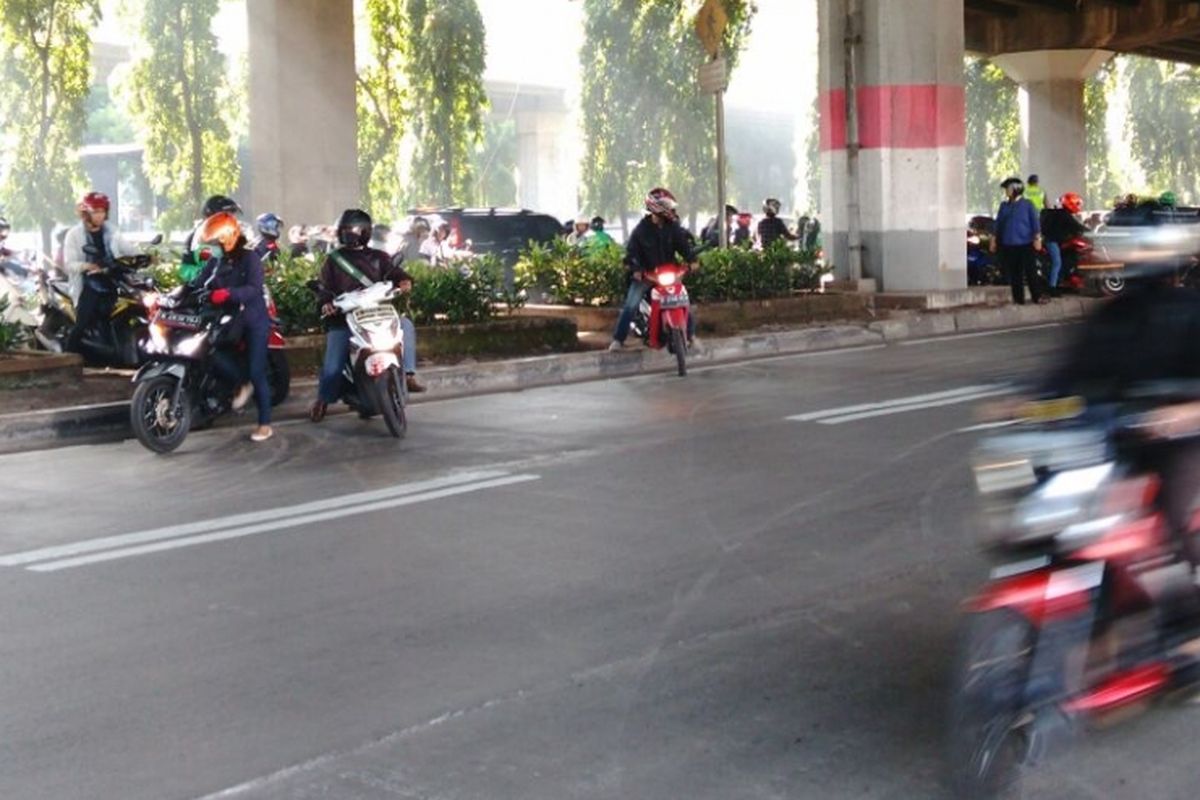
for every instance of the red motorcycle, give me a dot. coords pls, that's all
(1091, 607)
(663, 315)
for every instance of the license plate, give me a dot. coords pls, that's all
(178, 319)
(674, 300)
(378, 363)
(1054, 410)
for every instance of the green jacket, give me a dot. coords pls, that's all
(1037, 196)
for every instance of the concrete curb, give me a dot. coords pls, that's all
(110, 422)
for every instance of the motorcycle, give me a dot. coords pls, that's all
(122, 320)
(373, 381)
(1091, 607)
(177, 389)
(662, 317)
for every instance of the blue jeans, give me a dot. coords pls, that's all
(633, 298)
(227, 367)
(1055, 262)
(337, 350)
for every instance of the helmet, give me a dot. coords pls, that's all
(221, 229)
(1071, 202)
(95, 201)
(1016, 183)
(354, 228)
(219, 202)
(1167, 199)
(660, 201)
(268, 225)
(597, 223)
(771, 206)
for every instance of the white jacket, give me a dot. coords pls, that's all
(74, 258)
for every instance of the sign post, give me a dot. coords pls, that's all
(714, 79)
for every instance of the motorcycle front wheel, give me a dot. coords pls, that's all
(391, 402)
(988, 747)
(157, 425)
(679, 347)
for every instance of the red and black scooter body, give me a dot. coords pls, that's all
(663, 316)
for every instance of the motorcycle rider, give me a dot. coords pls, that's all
(771, 228)
(269, 227)
(218, 203)
(1060, 225)
(658, 239)
(82, 270)
(599, 238)
(237, 279)
(4, 231)
(354, 235)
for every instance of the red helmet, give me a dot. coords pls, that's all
(660, 201)
(95, 201)
(1071, 202)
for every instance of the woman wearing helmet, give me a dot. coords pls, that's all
(235, 274)
(657, 240)
(354, 254)
(771, 228)
(216, 204)
(102, 236)
(1060, 225)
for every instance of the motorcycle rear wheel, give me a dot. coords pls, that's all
(391, 402)
(988, 748)
(679, 347)
(156, 425)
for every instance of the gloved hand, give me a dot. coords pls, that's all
(220, 297)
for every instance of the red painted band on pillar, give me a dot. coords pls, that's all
(915, 116)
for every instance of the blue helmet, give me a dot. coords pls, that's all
(268, 225)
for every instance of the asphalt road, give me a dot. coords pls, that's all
(742, 584)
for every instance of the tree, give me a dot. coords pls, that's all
(45, 55)
(177, 94)
(1102, 184)
(993, 132)
(1164, 112)
(381, 107)
(444, 65)
(646, 121)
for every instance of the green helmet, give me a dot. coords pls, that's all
(1167, 199)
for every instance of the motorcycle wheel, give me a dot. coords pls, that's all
(157, 426)
(679, 347)
(391, 402)
(279, 375)
(988, 747)
(1112, 285)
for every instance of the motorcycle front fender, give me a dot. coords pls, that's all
(675, 318)
(153, 369)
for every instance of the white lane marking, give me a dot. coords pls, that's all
(882, 412)
(900, 401)
(987, 426)
(951, 337)
(289, 522)
(189, 528)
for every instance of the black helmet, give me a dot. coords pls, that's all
(771, 206)
(218, 203)
(1017, 185)
(354, 228)
(597, 223)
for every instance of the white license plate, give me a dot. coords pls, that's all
(674, 301)
(378, 363)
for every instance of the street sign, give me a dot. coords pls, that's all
(710, 26)
(713, 77)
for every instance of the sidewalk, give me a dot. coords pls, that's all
(108, 422)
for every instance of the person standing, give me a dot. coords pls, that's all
(771, 228)
(1019, 234)
(1036, 194)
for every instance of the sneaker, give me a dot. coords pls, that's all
(414, 386)
(262, 433)
(242, 396)
(693, 343)
(317, 412)
(614, 346)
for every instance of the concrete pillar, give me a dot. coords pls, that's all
(1053, 122)
(911, 133)
(303, 123)
(547, 177)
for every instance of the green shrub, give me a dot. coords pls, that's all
(11, 333)
(295, 303)
(575, 276)
(463, 291)
(739, 274)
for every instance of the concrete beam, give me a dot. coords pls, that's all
(1121, 28)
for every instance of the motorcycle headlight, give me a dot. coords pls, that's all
(189, 346)
(158, 338)
(150, 300)
(667, 278)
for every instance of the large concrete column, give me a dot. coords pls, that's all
(303, 122)
(1053, 121)
(543, 168)
(911, 132)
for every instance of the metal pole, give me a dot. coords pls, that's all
(853, 206)
(720, 99)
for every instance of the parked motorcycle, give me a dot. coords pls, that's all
(373, 380)
(121, 322)
(1091, 607)
(662, 317)
(177, 389)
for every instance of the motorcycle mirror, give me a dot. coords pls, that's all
(158, 239)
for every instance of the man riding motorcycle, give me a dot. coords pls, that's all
(268, 226)
(82, 270)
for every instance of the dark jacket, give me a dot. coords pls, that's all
(1060, 225)
(241, 273)
(651, 246)
(771, 230)
(375, 265)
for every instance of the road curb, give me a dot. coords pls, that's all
(109, 422)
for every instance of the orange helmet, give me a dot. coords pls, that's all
(220, 229)
(1071, 202)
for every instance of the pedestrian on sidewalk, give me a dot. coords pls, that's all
(1019, 234)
